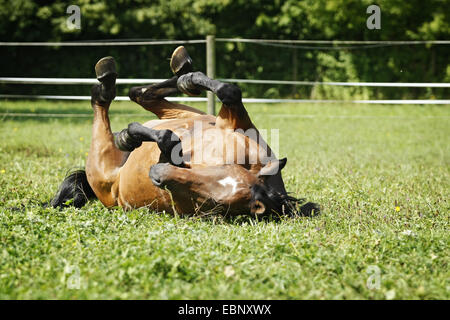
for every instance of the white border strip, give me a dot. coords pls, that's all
(67, 81)
(245, 100)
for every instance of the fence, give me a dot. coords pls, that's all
(211, 67)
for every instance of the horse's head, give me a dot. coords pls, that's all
(231, 187)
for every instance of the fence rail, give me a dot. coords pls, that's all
(67, 81)
(245, 100)
(99, 43)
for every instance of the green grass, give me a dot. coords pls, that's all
(359, 162)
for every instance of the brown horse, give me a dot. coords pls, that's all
(187, 162)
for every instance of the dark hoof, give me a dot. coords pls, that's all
(105, 70)
(134, 93)
(180, 62)
(105, 67)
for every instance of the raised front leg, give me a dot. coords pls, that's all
(168, 142)
(232, 115)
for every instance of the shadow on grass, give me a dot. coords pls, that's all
(216, 218)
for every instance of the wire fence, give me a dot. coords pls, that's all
(63, 81)
(149, 42)
(210, 46)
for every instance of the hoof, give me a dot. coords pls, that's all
(105, 70)
(180, 62)
(105, 67)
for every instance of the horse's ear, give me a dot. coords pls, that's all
(272, 167)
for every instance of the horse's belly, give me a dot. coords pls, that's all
(135, 187)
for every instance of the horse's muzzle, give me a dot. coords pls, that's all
(159, 174)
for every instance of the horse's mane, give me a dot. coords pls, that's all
(74, 190)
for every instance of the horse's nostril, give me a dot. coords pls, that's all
(157, 174)
(257, 207)
(156, 181)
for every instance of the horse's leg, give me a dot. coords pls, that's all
(104, 158)
(151, 97)
(232, 115)
(168, 142)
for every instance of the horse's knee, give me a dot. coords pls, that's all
(229, 94)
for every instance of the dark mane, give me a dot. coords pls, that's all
(282, 204)
(74, 190)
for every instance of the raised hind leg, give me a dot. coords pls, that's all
(151, 97)
(104, 159)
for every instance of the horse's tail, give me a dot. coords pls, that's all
(74, 191)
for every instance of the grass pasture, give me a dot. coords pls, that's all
(380, 172)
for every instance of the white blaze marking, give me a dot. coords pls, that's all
(229, 181)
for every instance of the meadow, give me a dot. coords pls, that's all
(380, 172)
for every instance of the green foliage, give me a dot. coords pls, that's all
(380, 172)
(28, 20)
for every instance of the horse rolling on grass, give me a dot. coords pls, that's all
(187, 162)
